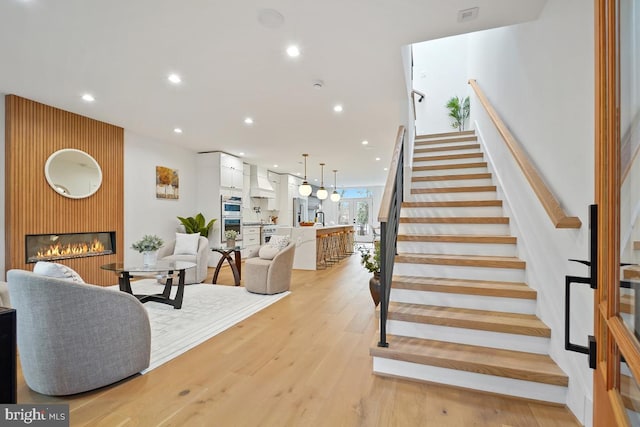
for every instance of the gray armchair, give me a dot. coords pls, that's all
(192, 275)
(269, 276)
(76, 337)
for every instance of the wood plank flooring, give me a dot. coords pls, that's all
(303, 361)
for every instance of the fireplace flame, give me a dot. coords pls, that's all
(71, 249)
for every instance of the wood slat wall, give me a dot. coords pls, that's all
(33, 132)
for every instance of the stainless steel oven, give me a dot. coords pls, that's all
(231, 223)
(231, 206)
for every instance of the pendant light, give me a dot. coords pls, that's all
(305, 188)
(322, 193)
(335, 196)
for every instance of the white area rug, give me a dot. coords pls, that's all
(206, 311)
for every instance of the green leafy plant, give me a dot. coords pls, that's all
(148, 243)
(459, 110)
(371, 261)
(197, 225)
(230, 234)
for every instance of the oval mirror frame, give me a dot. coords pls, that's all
(73, 173)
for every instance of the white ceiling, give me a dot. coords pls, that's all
(121, 51)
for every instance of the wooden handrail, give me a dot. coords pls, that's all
(550, 203)
(385, 203)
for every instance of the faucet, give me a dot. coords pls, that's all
(320, 214)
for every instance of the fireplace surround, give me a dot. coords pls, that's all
(50, 247)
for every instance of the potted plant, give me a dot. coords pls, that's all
(148, 246)
(197, 224)
(371, 262)
(459, 110)
(231, 235)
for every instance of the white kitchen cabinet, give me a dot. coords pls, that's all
(231, 172)
(250, 240)
(273, 204)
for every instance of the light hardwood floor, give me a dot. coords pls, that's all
(303, 361)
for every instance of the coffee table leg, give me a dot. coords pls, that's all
(238, 266)
(177, 302)
(167, 286)
(124, 282)
(215, 274)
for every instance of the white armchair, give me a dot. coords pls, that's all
(270, 276)
(192, 275)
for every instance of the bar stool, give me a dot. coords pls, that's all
(321, 263)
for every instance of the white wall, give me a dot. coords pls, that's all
(143, 212)
(539, 77)
(2, 188)
(440, 72)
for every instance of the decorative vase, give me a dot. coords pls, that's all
(374, 288)
(149, 257)
(231, 243)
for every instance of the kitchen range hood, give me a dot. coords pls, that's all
(259, 185)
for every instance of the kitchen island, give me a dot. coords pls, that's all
(306, 240)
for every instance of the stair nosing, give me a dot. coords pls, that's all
(488, 288)
(458, 238)
(482, 261)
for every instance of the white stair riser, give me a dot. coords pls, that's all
(424, 160)
(452, 197)
(476, 302)
(457, 229)
(452, 183)
(525, 343)
(442, 172)
(458, 272)
(489, 249)
(471, 380)
(449, 150)
(438, 212)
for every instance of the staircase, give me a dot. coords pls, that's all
(460, 313)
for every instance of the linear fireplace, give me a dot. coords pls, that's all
(47, 247)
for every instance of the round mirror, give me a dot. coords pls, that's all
(73, 173)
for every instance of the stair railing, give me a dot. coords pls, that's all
(548, 200)
(389, 218)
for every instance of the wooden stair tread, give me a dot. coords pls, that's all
(454, 220)
(450, 166)
(462, 260)
(457, 238)
(482, 320)
(504, 363)
(469, 189)
(452, 204)
(446, 147)
(462, 286)
(631, 272)
(445, 134)
(447, 157)
(486, 175)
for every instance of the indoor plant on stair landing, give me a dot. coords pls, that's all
(372, 263)
(148, 246)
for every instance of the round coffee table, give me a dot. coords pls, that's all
(124, 270)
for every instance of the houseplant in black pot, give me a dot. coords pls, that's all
(371, 262)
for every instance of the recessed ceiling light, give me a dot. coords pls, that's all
(337, 108)
(248, 121)
(299, 173)
(377, 159)
(240, 154)
(316, 180)
(365, 142)
(177, 130)
(88, 97)
(386, 169)
(293, 51)
(275, 166)
(174, 78)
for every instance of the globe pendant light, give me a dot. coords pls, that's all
(322, 193)
(305, 188)
(335, 196)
